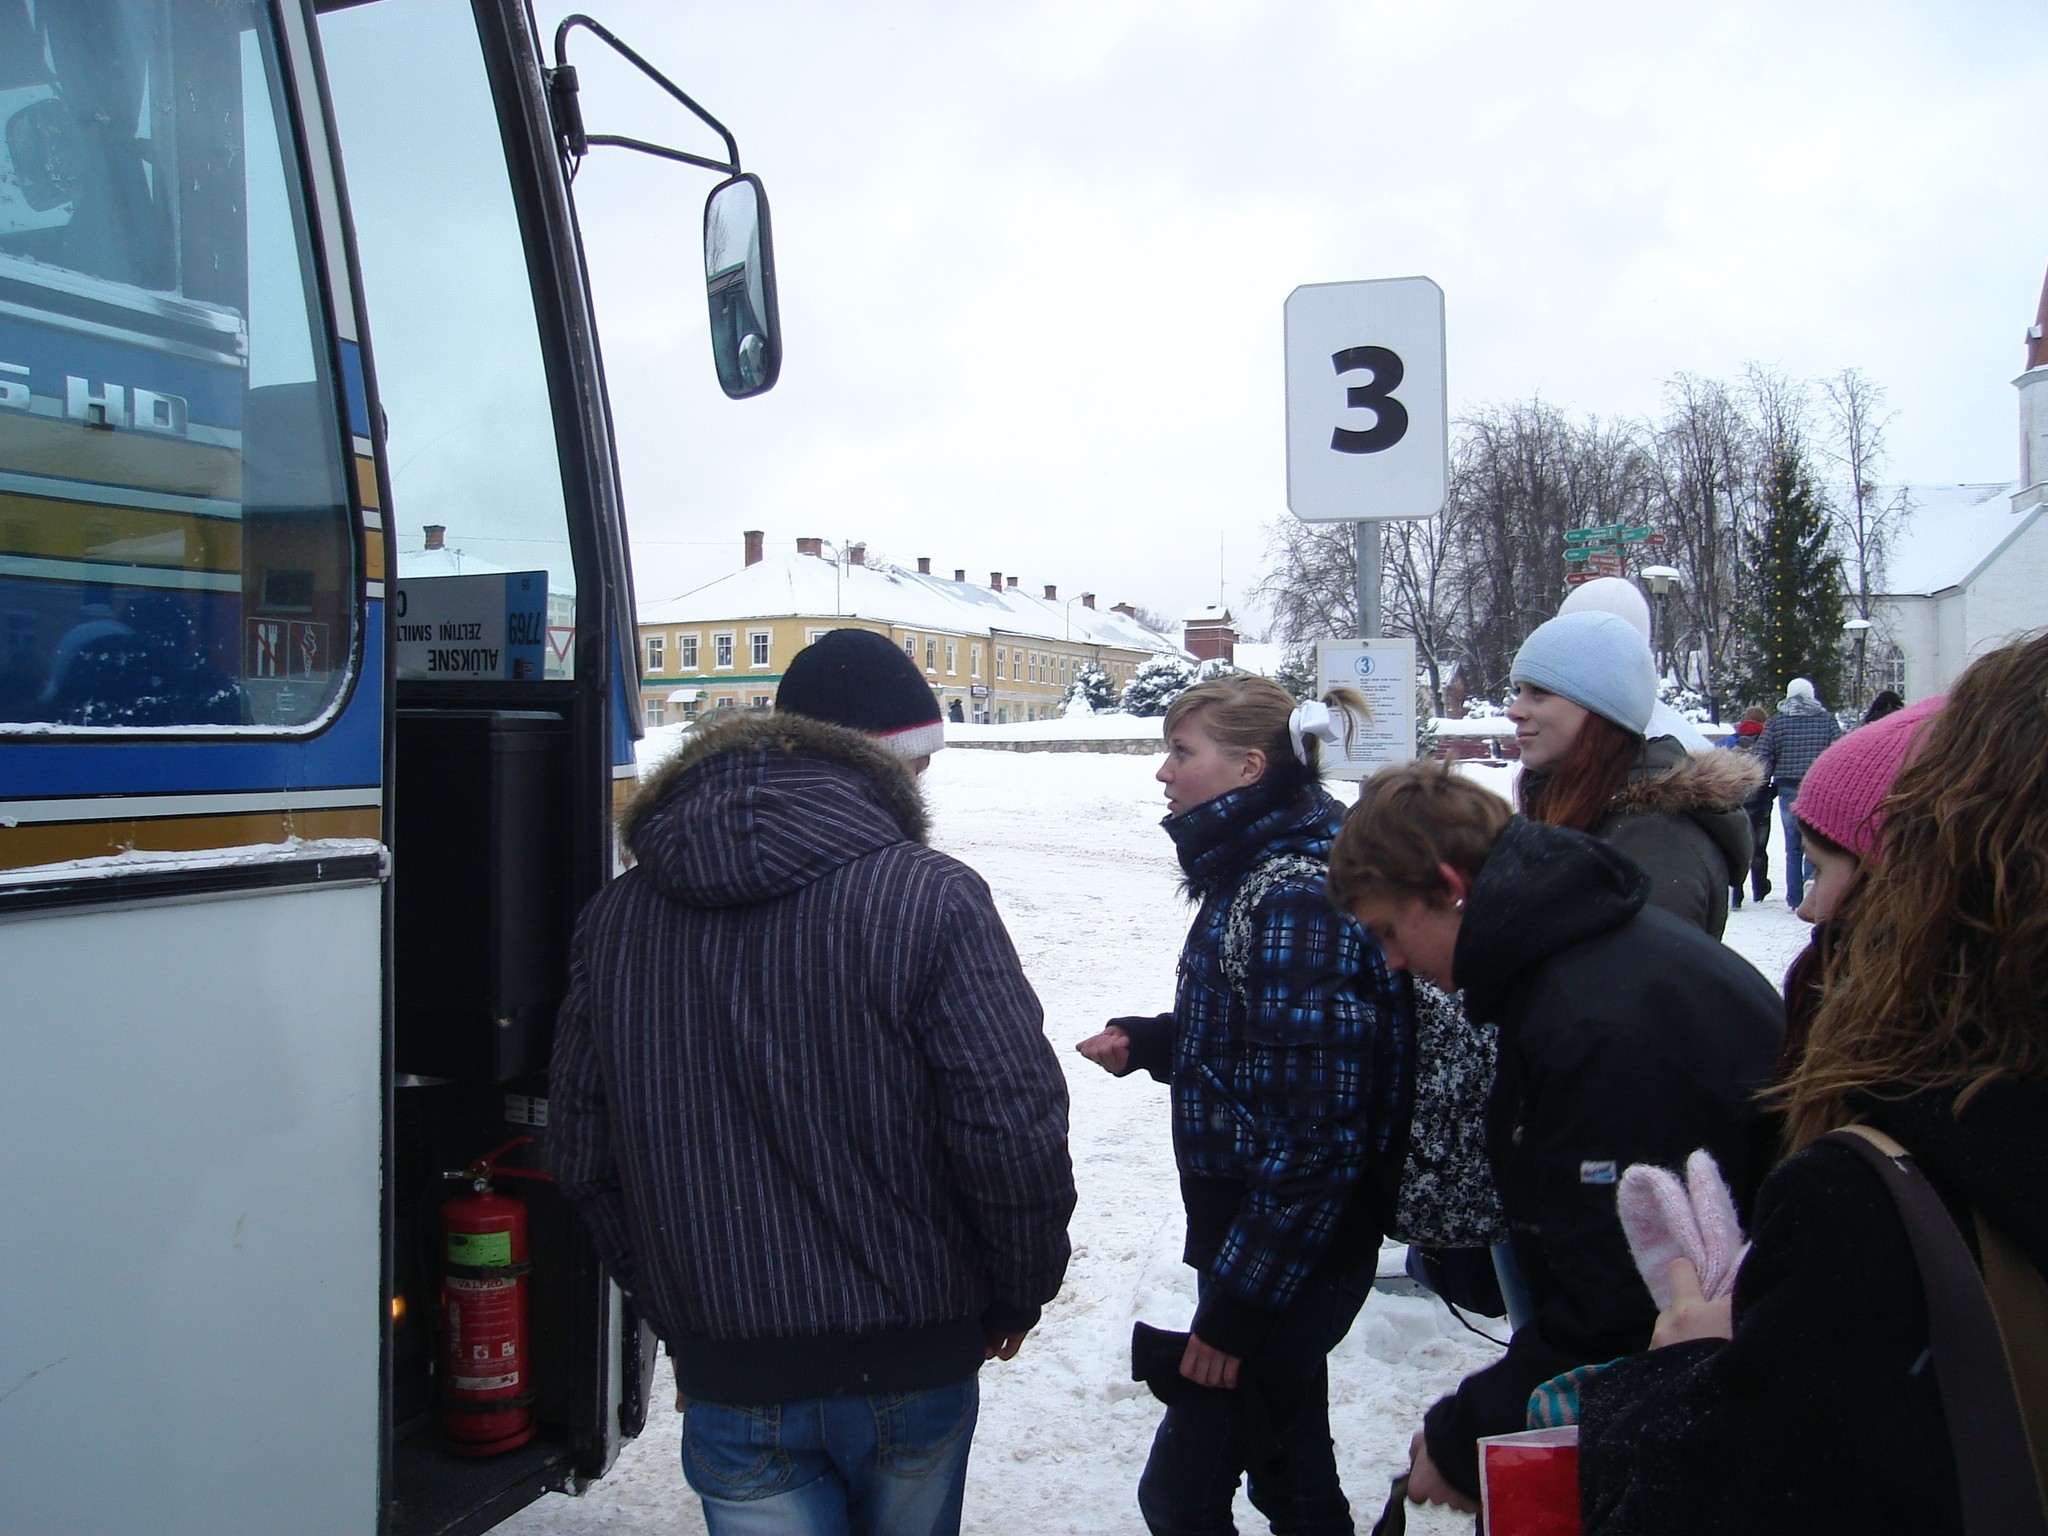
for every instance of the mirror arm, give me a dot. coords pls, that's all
(615, 141)
(571, 120)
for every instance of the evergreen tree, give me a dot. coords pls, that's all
(1792, 612)
(1157, 684)
(1297, 672)
(1090, 693)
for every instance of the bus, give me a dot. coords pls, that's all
(318, 683)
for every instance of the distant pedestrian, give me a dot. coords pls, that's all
(1798, 733)
(1886, 703)
(1625, 1035)
(1757, 808)
(803, 1098)
(1584, 690)
(1288, 1052)
(1818, 1402)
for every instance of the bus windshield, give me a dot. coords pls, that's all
(176, 549)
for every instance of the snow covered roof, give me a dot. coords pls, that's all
(1214, 613)
(796, 585)
(1948, 534)
(417, 563)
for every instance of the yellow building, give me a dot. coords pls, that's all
(993, 654)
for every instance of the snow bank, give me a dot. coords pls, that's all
(1087, 885)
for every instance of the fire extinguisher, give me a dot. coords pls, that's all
(486, 1370)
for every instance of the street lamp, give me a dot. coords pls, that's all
(1663, 580)
(1859, 633)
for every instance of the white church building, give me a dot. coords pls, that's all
(1968, 566)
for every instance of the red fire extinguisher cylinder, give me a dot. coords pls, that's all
(486, 1386)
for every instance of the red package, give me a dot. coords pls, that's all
(1529, 1483)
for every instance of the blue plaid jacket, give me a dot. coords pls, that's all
(1294, 1088)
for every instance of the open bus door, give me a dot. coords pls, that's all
(298, 799)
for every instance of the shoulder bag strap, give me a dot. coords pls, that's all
(1994, 1467)
(2019, 1299)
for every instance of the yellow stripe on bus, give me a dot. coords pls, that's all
(146, 461)
(54, 842)
(37, 527)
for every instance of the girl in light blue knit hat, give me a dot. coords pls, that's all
(1585, 687)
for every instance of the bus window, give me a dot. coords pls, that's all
(476, 486)
(176, 548)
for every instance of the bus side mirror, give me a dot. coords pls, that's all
(739, 279)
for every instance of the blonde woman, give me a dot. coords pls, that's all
(1288, 1053)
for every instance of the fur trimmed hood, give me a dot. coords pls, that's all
(1671, 779)
(754, 807)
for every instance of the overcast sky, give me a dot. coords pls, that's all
(1032, 253)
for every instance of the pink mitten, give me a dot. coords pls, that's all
(1720, 1229)
(1656, 1213)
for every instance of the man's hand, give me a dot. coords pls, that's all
(1426, 1485)
(1110, 1050)
(1207, 1366)
(1001, 1346)
(1690, 1315)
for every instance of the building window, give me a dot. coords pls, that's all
(974, 661)
(931, 654)
(656, 649)
(952, 657)
(689, 709)
(686, 653)
(721, 651)
(657, 713)
(1889, 671)
(726, 702)
(761, 701)
(910, 648)
(1002, 714)
(757, 647)
(813, 636)
(1000, 655)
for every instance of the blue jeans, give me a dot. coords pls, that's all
(1798, 868)
(893, 1465)
(1275, 1427)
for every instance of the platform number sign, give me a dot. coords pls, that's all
(1366, 419)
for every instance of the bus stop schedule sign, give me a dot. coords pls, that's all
(452, 628)
(1384, 672)
(1366, 431)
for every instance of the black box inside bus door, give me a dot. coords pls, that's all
(480, 890)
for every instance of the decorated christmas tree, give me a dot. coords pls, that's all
(1792, 608)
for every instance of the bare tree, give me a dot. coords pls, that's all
(1311, 588)
(1421, 575)
(1865, 518)
(1705, 482)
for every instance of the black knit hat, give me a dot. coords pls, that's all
(856, 678)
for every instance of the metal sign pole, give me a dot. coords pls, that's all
(1368, 552)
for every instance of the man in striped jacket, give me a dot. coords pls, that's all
(802, 1094)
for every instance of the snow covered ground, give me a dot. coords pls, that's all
(1071, 845)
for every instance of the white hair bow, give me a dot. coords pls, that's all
(1316, 719)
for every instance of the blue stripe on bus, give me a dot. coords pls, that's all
(348, 753)
(353, 390)
(622, 720)
(212, 391)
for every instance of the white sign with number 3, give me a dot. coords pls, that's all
(1367, 436)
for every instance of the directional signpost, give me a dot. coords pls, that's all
(1603, 551)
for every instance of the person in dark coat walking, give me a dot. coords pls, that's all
(1808, 1407)
(1585, 686)
(1798, 733)
(1288, 1054)
(1757, 808)
(1626, 1035)
(802, 1096)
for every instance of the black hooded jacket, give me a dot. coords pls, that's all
(1821, 1417)
(1626, 1036)
(801, 1089)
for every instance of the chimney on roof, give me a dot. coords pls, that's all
(1010, 582)
(959, 575)
(1087, 599)
(995, 581)
(814, 547)
(753, 536)
(856, 554)
(1126, 610)
(924, 565)
(437, 535)
(1052, 593)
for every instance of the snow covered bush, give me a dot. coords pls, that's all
(1155, 685)
(1090, 693)
(1690, 703)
